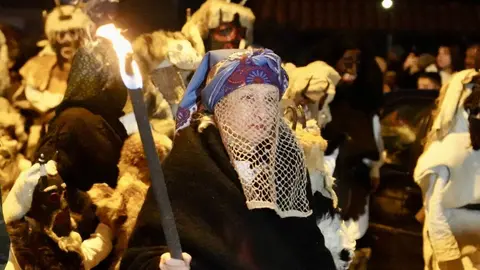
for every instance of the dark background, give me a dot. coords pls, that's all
(298, 30)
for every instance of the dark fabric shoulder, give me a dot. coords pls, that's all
(215, 226)
(88, 148)
(190, 155)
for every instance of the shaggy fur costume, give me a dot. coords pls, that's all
(123, 204)
(12, 139)
(209, 15)
(165, 59)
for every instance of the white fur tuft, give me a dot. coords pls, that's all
(79, 20)
(205, 121)
(337, 239)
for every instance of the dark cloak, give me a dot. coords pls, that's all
(214, 224)
(86, 131)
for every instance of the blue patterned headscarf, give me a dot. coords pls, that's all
(222, 72)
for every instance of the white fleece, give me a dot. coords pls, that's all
(19, 199)
(96, 248)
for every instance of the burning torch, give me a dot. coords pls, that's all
(134, 83)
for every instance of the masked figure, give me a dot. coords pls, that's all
(312, 87)
(250, 204)
(86, 130)
(447, 174)
(47, 223)
(45, 75)
(220, 24)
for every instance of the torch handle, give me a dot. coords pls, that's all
(156, 174)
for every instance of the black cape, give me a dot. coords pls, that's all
(214, 224)
(86, 131)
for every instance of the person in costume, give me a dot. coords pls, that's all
(312, 87)
(447, 172)
(220, 24)
(45, 75)
(50, 227)
(166, 59)
(12, 140)
(354, 136)
(10, 80)
(236, 176)
(86, 131)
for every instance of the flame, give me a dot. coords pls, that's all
(123, 48)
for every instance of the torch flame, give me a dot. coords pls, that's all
(123, 48)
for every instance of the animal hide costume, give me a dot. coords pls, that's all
(355, 131)
(4, 65)
(126, 200)
(447, 172)
(12, 140)
(220, 24)
(86, 130)
(223, 221)
(166, 59)
(45, 75)
(313, 87)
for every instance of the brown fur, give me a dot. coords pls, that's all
(151, 49)
(125, 202)
(36, 250)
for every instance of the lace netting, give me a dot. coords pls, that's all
(263, 150)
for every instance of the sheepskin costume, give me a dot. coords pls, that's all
(4, 62)
(124, 203)
(314, 86)
(447, 172)
(166, 59)
(45, 75)
(211, 15)
(12, 139)
(163, 48)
